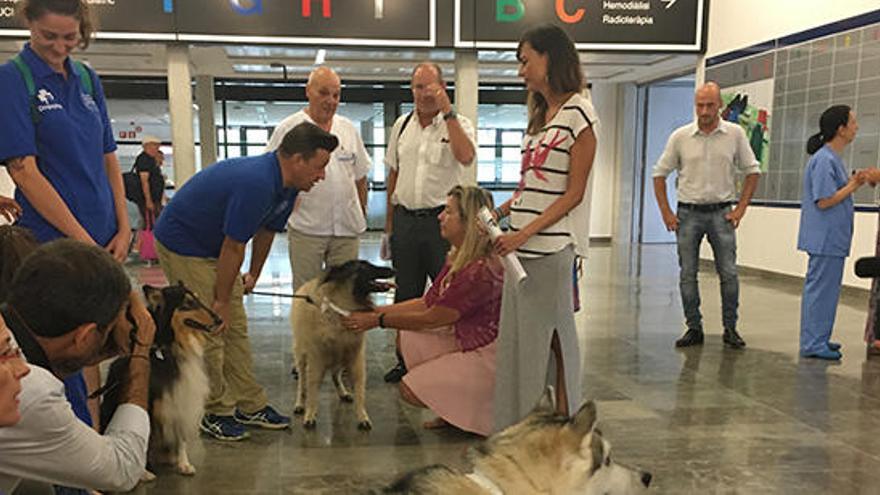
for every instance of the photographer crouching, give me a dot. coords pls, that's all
(68, 307)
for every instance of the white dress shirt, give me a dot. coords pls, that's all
(706, 162)
(426, 167)
(332, 207)
(50, 444)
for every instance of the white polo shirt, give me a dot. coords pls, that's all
(426, 167)
(332, 207)
(706, 162)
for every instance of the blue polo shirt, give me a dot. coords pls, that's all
(825, 232)
(235, 198)
(69, 143)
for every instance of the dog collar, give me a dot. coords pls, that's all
(485, 482)
(327, 305)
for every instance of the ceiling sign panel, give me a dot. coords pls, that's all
(116, 19)
(341, 22)
(331, 22)
(625, 25)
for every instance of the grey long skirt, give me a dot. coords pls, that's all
(530, 313)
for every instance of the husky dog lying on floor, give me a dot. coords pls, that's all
(544, 453)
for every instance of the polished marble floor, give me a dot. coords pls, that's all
(704, 420)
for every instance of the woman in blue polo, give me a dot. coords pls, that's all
(826, 228)
(57, 142)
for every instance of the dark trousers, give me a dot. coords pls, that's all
(417, 250)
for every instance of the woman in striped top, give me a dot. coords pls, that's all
(537, 343)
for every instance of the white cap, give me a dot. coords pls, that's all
(149, 138)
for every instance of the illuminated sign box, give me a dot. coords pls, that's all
(620, 25)
(116, 19)
(334, 22)
(340, 22)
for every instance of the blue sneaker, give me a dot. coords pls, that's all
(266, 417)
(223, 428)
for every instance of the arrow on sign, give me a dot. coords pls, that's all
(669, 3)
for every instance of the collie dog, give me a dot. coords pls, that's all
(178, 383)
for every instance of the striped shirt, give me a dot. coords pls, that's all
(546, 159)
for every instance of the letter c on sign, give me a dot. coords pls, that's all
(565, 16)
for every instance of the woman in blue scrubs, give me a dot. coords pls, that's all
(59, 149)
(826, 228)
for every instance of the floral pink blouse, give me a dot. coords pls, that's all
(475, 292)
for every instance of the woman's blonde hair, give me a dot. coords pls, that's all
(564, 73)
(32, 10)
(476, 243)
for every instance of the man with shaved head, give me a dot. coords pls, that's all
(325, 224)
(707, 154)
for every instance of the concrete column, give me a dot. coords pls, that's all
(700, 75)
(180, 104)
(467, 95)
(207, 132)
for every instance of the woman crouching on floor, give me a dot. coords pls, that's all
(448, 342)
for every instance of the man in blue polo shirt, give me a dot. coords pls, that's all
(201, 238)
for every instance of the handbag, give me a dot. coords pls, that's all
(148, 243)
(131, 182)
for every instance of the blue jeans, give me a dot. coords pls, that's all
(692, 227)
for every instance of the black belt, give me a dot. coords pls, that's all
(705, 207)
(421, 212)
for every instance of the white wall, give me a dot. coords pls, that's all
(767, 240)
(735, 24)
(767, 237)
(604, 97)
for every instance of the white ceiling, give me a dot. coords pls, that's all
(148, 59)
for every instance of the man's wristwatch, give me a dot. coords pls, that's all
(451, 114)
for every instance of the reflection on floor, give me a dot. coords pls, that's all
(703, 420)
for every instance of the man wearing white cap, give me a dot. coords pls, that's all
(148, 165)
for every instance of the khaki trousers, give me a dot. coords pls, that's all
(308, 253)
(228, 359)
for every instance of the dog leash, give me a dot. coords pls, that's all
(307, 298)
(325, 305)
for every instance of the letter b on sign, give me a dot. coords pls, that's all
(509, 10)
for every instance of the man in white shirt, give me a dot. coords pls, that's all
(426, 156)
(706, 155)
(325, 224)
(69, 307)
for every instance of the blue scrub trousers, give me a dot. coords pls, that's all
(819, 302)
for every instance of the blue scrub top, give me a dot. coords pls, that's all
(235, 198)
(825, 232)
(69, 143)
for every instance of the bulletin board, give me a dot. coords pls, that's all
(777, 91)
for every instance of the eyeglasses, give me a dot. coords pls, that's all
(10, 350)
